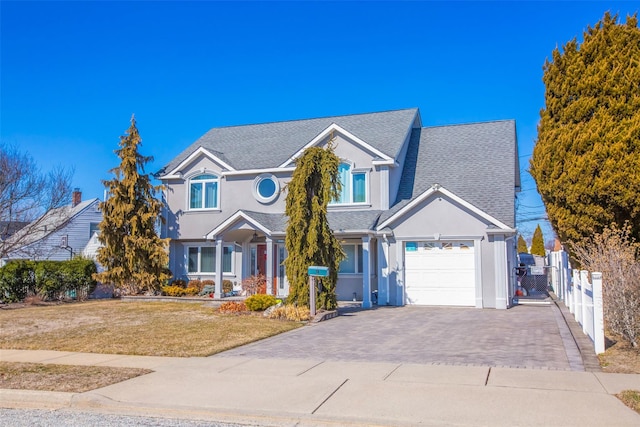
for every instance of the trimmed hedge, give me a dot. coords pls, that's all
(50, 280)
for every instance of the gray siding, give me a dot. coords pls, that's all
(236, 193)
(76, 230)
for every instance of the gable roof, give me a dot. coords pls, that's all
(496, 225)
(50, 222)
(477, 162)
(269, 145)
(8, 228)
(276, 223)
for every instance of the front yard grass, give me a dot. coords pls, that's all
(620, 357)
(631, 398)
(116, 327)
(73, 379)
(135, 328)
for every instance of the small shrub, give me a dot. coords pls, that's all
(260, 302)
(195, 284)
(173, 291)
(232, 307)
(208, 282)
(190, 292)
(253, 284)
(290, 312)
(227, 286)
(179, 282)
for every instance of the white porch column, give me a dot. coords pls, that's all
(269, 266)
(366, 272)
(500, 254)
(246, 259)
(219, 272)
(383, 265)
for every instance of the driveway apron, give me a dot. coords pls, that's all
(521, 337)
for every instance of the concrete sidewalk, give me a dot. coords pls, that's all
(319, 392)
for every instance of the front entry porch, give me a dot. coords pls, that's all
(262, 252)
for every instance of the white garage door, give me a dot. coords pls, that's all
(440, 273)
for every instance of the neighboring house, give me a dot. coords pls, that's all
(60, 233)
(426, 215)
(9, 228)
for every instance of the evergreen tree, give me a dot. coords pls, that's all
(135, 259)
(537, 242)
(309, 239)
(522, 245)
(587, 156)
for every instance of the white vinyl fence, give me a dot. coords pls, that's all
(581, 296)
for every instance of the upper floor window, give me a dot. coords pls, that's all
(203, 192)
(94, 227)
(354, 185)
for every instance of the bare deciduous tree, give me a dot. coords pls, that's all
(614, 253)
(29, 199)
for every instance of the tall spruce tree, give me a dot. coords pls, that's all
(587, 156)
(537, 242)
(522, 245)
(134, 257)
(309, 240)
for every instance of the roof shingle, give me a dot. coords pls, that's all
(269, 145)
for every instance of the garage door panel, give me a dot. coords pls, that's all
(441, 296)
(440, 273)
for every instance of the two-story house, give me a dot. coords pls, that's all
(426, 214)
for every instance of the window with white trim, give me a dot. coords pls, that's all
(353, 262)
(354, 185)
(266, 188)
(204, 192)
(202, 259)
(94, 227)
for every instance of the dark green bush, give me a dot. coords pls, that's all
(259, 302)
(50, 280)
(17, 281)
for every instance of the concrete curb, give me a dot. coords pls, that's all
(326, 315)
(336, 395)
(585, 346)
(35, 399)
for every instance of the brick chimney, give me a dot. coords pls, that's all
(76, 197)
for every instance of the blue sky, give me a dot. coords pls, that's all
(73, 73)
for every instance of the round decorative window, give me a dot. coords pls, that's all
(266, 188)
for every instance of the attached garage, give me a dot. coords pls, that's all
(440, 273)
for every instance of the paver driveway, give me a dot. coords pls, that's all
(523, 336)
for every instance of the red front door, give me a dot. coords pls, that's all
(262, 267)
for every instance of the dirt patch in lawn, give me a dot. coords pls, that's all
(135, 328)
(75, 379)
